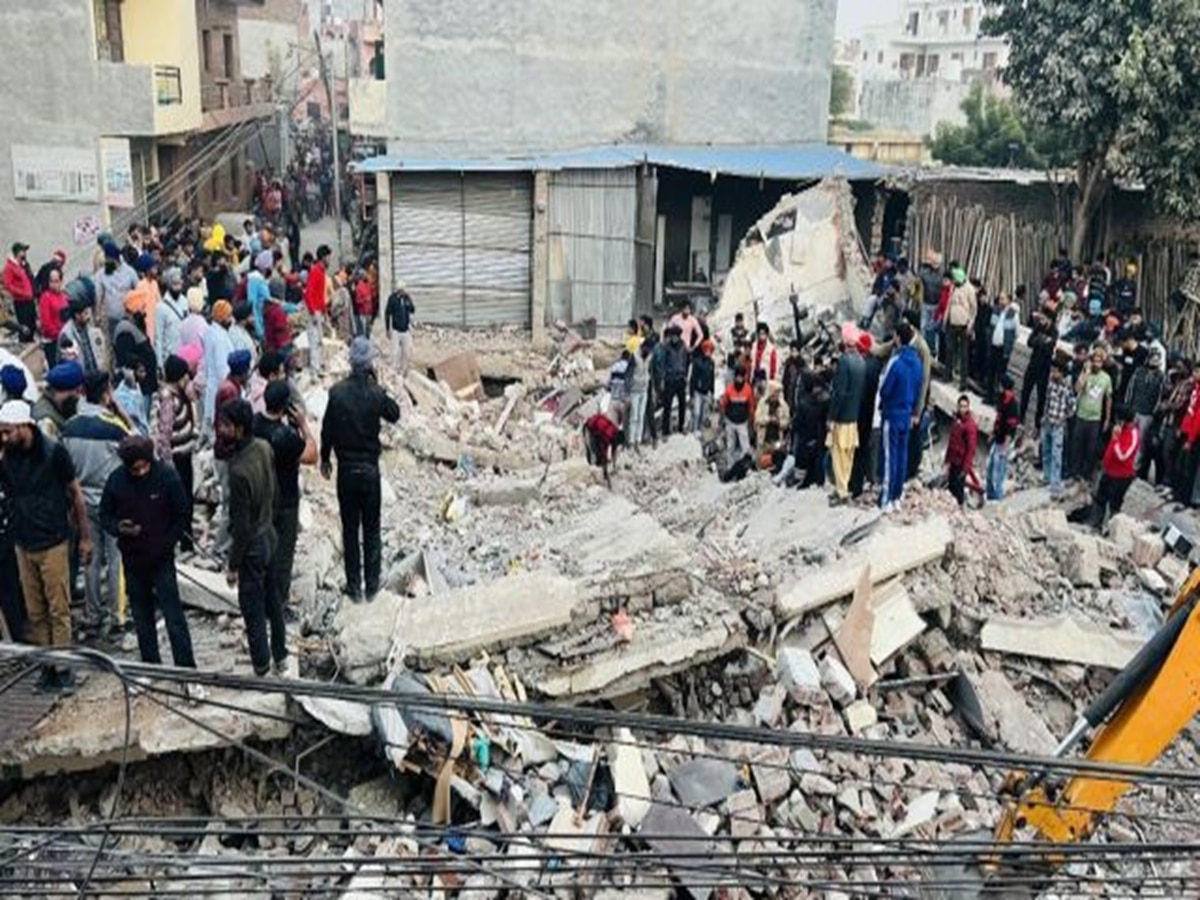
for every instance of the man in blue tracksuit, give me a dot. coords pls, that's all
(899, 398)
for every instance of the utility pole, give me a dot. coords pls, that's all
(333, 115)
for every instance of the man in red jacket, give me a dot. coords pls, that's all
(19, 285)
(316, 298)
(960, 451)
(1118, 467)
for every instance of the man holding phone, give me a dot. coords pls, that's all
(285, 428)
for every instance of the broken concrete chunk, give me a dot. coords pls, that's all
(342, 716)
(674, 834)
(1061, 639)
(812, 783)
(920, 812)
(796, 669)
(860, 715)
(1152, 581)
(897, 624)
(889, 552)
(853, 637)
(1147, 550)
(1081, 561)
(769, 708)
(704, 782)
(1122, 530)
(1018, 725)
(745, 815)
(837, 681)
(803, 760)
(769, 766)
(630, 783)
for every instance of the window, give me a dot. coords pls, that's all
(235, 173)
(968, 19)
(931, 66)
(956, 57)
(206, 49)
(227, 46)
(914, 23)
(906, 62)
(865, 56)
(879, 57)
(110, 43)
(921, 66)
(944, 22)
(989, 62)
(168, 85)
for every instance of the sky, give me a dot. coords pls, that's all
(854, 15)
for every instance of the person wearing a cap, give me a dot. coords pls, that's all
(172, 312)
(284, 427)
(113, 284)
(845, 401)
(132, 349)
(146, 293)
(46, 501)
(78, 331)
(13, 383)
(60, 400)
(397, 321)
(356, 410)
(703, 385)
(252, 499)
(52, 308)
(217, 347)
(145, 508)
(92, 437)
(174, 431)
(231, 389)
(317, 292)
(18, 282)
(194, 326)
(366, 300)
(866, 457)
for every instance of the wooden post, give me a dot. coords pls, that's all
(540, 262)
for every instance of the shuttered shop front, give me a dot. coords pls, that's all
(461, 243)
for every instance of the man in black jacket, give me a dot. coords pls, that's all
(145, 507)
(357, 407)
(674, 377)
(845, 402)
(397, 319)
(252, 497)
(1043, 338)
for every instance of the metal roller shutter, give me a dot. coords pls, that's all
(462, 244)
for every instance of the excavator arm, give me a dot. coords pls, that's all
(1137, 717)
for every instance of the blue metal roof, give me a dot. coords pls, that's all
(788, 162)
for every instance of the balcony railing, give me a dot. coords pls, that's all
(225, 94)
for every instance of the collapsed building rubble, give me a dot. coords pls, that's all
(513, 576)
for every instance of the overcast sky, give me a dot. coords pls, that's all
(854, 15)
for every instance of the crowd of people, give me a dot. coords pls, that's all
(1099, 403)
(176, 341)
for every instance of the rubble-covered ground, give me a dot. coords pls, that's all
(856, 688)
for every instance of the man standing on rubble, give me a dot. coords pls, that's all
(46, 500)
(674, 377)
(357, 407)
(845, 400)
(252, 497)
(285, 428)
(899, 397)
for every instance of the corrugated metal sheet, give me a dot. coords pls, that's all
(593, 227)
(462, 245)
(790, 162)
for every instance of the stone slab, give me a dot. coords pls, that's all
(787, 521)
(1018, 725)
(87, 730)
(674, 834)
(488, 616)
(1061, 639)
(888, 552)
(630, 781)
(364, 636)
(655, 651)
(704, 782)
(897, 623)
(619, 537)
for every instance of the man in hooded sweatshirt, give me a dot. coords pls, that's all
(899, 399)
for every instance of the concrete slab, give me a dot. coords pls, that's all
(896, 623)
(344, 717)
(87, 731)
(889, 552)
(205, 590)
(786, 521)
(1018, 725)
(1061, 639)
(619, 537)
(364, 633)
(657, 650)
(629, 779)
(674, 834)
(486, 616)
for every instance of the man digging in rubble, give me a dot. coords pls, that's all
(357, 408)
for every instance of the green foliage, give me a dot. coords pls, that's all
(1121, 79)
(841, 92)
(996, 135)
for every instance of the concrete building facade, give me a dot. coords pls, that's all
(60, 106)
(490, 77)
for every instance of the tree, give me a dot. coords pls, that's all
(841, 93)
(1120, 82)
(995, 134)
